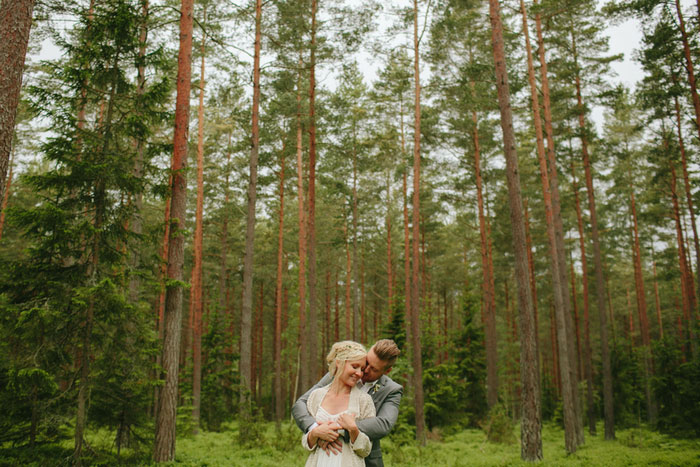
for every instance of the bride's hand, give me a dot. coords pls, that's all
(326, 431)
(347, 421)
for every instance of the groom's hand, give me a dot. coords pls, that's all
(327, 431)
(336, 447)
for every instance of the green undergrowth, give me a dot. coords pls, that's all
(636, 446)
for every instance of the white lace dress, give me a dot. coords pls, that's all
(323, 459)
(353, 453)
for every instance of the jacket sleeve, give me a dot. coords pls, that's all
(380, 426)
(363, 445)
(300, 412)
(305, 434)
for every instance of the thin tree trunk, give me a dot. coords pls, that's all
(247, 305)
(99, 200)
(164, 447)
(565, 355)
(356, 330)
(389, 270)
(688, 65)
(688, 195)
(348, 280)
(415, 284)
(15, 23)
(136, 220)
(303, 335)
(598, 263)
(312, 362)
(406, 260)
(643, 316)
(531, 425)
(489, 296)
(196, 292)
(658, 303)
(530, 260)
(279, 402)
(686, 282)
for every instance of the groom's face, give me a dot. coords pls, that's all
(375, 368)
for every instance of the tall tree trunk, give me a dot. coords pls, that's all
(348, 280)
(688, 65)
(558, 225)
(303, 335)
(642, 312)
(136, 220)
(196, 291)
(389, 270)
(530, 261)
(279, 402)
(658, 302)
(531, 425)
(597, 260)
(565, 356)
(489, 296)
(6, 196)
(164, 447)
(686, 282)
(15, 23)
(312, 363)
(688, 195)
(406, 259)
(99, 204)
(356, 330)
(247, 305)
(588, 365)
(415, 284)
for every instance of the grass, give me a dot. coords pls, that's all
(637, 446)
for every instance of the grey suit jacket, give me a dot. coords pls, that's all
(386, 395)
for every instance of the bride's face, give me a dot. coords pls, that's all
(351, 372)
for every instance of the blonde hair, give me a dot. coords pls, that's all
(387, 351)
(343, 351)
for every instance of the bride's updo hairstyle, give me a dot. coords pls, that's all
(343, 351)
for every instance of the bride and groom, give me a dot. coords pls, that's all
(352, 407)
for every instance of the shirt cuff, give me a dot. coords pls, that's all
(312, 427)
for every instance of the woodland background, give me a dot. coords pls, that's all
(199, 198)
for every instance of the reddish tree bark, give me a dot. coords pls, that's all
(687, 294)
(688, 195)
(164, 447)
(277, 342)
(658, 303)
(406, 259)
(196, 290)
(415, 284)
(348, 280)
(247, 305)
(303, 337)
(531, 424)
(566, 363)
(312, 363)
(489, 295)
(15, 23)
(6, 196)
(597, 260)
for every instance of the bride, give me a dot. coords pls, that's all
(338, 405)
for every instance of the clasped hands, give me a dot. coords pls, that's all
(327, 436)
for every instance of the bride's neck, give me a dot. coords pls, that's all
(338, 387)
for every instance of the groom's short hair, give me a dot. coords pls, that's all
(387, 351)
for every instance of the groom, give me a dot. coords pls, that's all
(385, 393)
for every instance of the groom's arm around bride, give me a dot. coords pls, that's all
(386, 395)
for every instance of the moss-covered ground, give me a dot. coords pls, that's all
(633, 447)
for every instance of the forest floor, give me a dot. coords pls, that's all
(633, 447)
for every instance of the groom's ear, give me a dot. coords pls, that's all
(386, 371)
